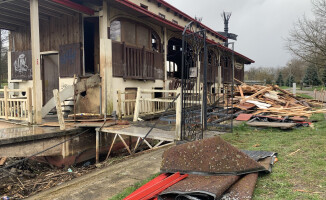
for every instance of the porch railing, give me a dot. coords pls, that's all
(16, 108)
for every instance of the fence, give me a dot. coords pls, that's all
(146, 105)
(16, 108)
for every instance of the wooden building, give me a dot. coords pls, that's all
(129, 43)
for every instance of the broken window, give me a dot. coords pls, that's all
(115, 31)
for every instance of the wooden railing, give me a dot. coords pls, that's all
(132, 62)
(16, 108)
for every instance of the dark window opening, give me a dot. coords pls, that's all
(174, 58)
(161, 15)
(91, 45)
(144, 6)
(158, 94)
(174, 21)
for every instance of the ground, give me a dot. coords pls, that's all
(105, 183)
(299, 173)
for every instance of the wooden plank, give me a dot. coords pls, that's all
(3, 160)
(178, 116)
(119, 105)
(241, 92)
(272, 124)
(6, 102)
(137, 106)
(59, 110)
(256, 94)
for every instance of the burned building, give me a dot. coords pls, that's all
(129, 43)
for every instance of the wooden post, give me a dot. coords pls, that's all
(59, 110)
(178, 118)
(97, 145)
(37, 83)
(137, 106)
(29, 105)
(6, 102)
(165, 57)
(119, 105)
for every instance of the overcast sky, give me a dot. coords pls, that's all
(261, 25)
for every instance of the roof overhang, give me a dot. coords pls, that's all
(15, 14)
(142, 13)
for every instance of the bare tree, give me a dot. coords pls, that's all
(3, 54)
(307, 39)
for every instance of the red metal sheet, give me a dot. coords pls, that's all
(156, 186)
(244, 117)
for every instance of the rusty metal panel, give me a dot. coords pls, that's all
(208, 156)
(70, 60)
(21, 65)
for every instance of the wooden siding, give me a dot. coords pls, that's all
(53, 33)
(70, 60)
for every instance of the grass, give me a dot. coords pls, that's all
(318, 88)
(304, 96)
(131, 189)
(299, 175)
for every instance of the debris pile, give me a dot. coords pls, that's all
(271, 106)
(213, 169)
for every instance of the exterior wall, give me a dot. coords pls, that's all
(152, 7)
(55, 32)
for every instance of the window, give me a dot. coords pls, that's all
(161, 15)
(144, 6)
(174, 21)
(115, 31)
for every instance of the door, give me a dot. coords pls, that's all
(50, 75)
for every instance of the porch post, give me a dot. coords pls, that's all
(106, 61)
(165, 57)
(37, 84)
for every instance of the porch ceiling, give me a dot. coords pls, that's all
(15, 14)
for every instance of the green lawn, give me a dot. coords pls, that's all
(299, 175)
(318, 88)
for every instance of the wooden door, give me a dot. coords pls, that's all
(50, 75)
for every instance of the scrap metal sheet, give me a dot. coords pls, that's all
(208, 156)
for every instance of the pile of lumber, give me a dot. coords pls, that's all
(273, 101)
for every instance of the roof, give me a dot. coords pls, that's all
(181, 28)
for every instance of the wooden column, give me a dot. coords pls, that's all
(5, 91)
(37, 83)
(106, 61)
(178, 118)
(165, 57)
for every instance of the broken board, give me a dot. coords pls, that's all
(272, 124)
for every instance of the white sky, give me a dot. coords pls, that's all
(261, 25)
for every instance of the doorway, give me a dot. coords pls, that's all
(50, 75)
(91, 45)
